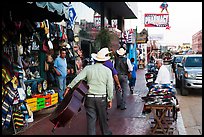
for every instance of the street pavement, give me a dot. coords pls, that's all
(130, 121)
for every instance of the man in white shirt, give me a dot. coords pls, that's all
(163, 76)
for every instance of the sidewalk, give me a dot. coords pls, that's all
(121, 122)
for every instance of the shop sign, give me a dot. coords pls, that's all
(142, 36)
(156, 20)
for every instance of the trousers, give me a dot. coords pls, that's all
(62, 86)
(96, 109)
(121, 96)
(132, 82)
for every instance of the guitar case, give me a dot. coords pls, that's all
(70, 105)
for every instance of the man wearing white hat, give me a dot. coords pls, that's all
(100, 81)
(123, 67)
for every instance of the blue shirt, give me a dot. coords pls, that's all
(134, 70)
(61, 65)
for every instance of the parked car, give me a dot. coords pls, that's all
(175, 60)
(189, 73)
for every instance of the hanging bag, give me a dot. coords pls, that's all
(20, 47)
(45, 47)
(50, 44)
(46, 66)
(49, 58)
(70, 35)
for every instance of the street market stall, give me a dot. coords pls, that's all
(29, 41)
(161, 102)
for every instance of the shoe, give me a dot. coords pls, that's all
(123, 108)
(132, 88)
(109, 133)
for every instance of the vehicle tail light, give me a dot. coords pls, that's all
(185, 74)
(148, 76)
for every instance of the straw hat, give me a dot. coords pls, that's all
(105, 51)
(121, 51)
(101, 55)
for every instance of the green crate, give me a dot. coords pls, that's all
(40, 103)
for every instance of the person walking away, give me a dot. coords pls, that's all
(110, 65)
(163, 76)
(100, 94)
(132, 79)
(123, 67)
(60, 67)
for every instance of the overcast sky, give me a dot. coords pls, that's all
(185, 19)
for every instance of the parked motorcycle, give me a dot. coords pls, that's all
(151, 74)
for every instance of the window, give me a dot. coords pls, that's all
(178, 59)
(193, 62)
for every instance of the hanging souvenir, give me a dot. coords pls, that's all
(49, 58)
(20, 47)
(47, 28)
(50, 44)
(39, 87)
(70, 35)
(42, 24)
(45, 85)
(45, 47)
(29, 91)
(18, 25)
(35, 46)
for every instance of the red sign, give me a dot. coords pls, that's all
(156, 20)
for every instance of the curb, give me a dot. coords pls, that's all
(180, 125)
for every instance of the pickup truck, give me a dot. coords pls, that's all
(189, 73)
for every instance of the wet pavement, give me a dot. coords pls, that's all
(122, 122)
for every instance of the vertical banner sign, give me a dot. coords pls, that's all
(72, 15)
(156, 20)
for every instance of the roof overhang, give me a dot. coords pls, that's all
(127, 10)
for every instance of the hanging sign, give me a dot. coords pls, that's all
(72, 15)
(142, 37)
(156, 20)
(157, 37)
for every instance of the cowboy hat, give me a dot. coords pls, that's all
(105, 51)
(101, 55)
(121, 51)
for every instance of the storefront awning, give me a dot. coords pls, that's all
(60, 7)
(36, 11)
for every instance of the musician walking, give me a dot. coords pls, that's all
(100, 94)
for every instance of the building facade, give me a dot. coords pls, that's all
(197, 42)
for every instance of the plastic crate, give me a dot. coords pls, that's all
(32, 103)
(40, 103)
(47, 100)
(54, 98)
(31, 100)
